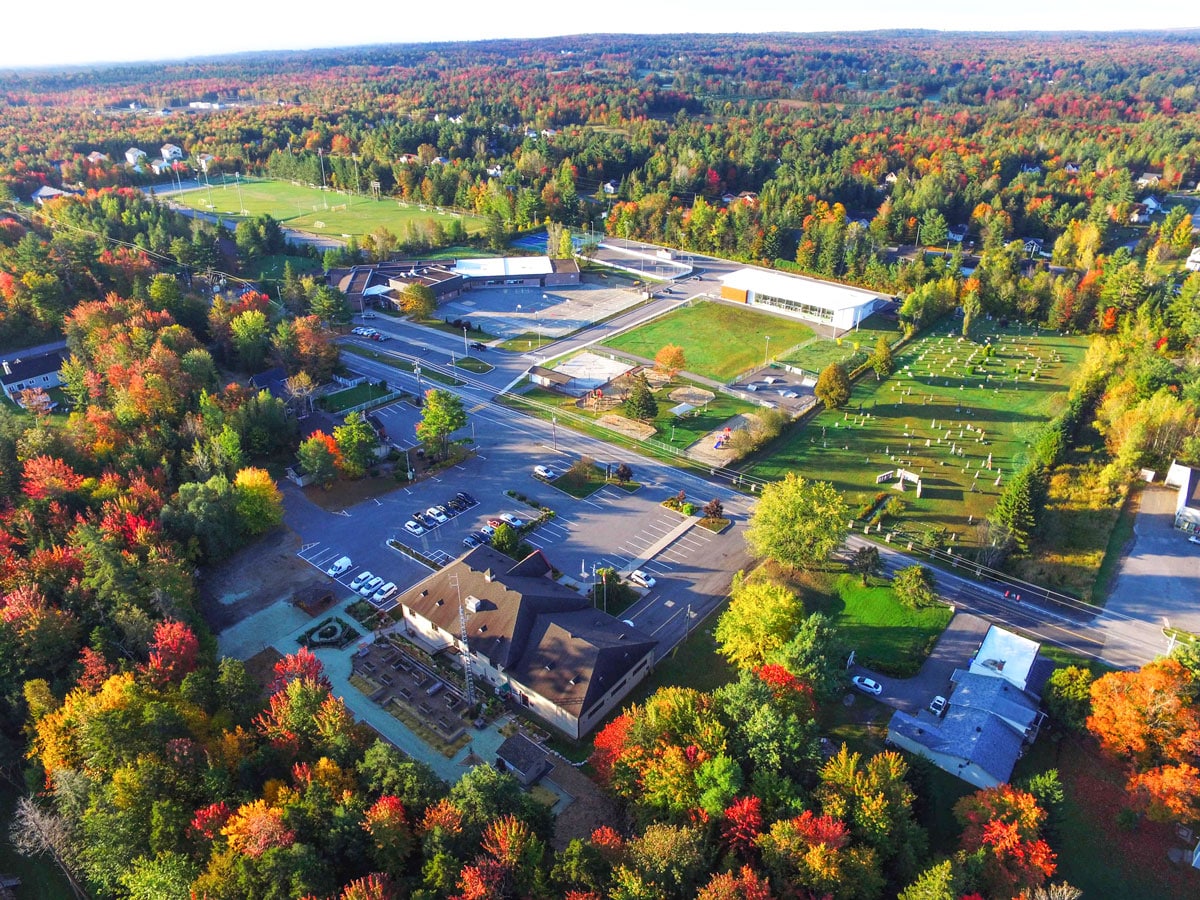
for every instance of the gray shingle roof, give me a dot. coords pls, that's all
(968, 734)
(995, 696)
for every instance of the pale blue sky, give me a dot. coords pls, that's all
(83, 31)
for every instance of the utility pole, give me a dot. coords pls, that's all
(466, 650)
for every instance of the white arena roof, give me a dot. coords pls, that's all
(813, 291)
(504, 267)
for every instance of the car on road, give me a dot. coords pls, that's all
(360, 579)
(544, 472)
(643, 578)
(339, 568)
(752, 387)
(371, 586)
(1194, 539)
(413, 528)
(512, 520)
(867, 685)
(470, 541)
(437, 514)
(937, 705)
(384, 592)
(477, 345)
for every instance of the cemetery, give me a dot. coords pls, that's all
(956, 417)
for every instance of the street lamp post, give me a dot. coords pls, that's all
(241, 206)
(767, 352)
(466, 350)
(554, 430)
(321, 157)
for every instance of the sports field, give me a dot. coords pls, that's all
(719, 340)
(320, 212)
(961, 419)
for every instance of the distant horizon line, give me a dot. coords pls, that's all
(1182, 30)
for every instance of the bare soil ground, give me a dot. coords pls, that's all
(704, 450)
(628, 426)
(253, 579)
(690, 394)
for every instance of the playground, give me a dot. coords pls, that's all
(958, 416)
(316, 211)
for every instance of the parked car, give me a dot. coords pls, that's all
(371, 586)
(937, 705)
(484, 537)
(752, 387)
(867, 685)
(455, 506)
(488, 530)
(466, 498)
(420, 517)
(470, 541)
(1194, 539)
(413, 528)
(437, 514)
(340, 567)
(494, 523)
(477, 345)
(384, 592)
(544, 472)
(512, 520)
(643, 578)
(360, 579)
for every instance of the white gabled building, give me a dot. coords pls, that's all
(801, 297)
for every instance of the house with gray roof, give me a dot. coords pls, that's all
(36, 371)
(991, 715)
(530, 639)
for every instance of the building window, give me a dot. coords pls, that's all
(796, 307)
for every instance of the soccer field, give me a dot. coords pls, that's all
(320, 212)
(959, 415)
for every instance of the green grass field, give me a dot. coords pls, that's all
(943, 413)
(719, 340)
(319, 212)
(851, 349)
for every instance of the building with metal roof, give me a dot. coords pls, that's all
(811, 299)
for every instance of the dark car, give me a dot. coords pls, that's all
(420, 517)
(456, 505)
(466, 498)
(477, 345)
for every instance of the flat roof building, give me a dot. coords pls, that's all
(801, 297)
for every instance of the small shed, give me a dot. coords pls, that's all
(523, 758)
(549, 378)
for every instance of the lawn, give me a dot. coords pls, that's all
(677, 431)
(851, 349)
(885, 635)
(581, 484)
(719, 340)
(959, 419)
(362, 393)
(316, 211)
(270, 268)
(471, 364)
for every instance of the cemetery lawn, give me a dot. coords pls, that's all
(936, 395)
(719, 340)
(851, 349)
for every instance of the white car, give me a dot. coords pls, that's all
(937, 705)
(413, 527)
(512, 520)
(1194, 539)
(384, 592)
(645, 579)
(371, 586)
(339, 568)
(544, 472)
(437, 514)
(360, 579)
(867, 685)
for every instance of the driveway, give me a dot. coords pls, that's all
(953, 650)
(1158, 579)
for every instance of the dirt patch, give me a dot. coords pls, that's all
(705, 449)
(696, 396)
(253, 579)
(261, 667)
(345, 494)
(628, 427)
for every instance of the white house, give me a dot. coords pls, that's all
(97, 157)
(1152, 205)
(611, 188)
(801, 297)
(528, 638)
(204, 160)
(171, 152)
(134, 156)
(1187, 502)
(1193, 260)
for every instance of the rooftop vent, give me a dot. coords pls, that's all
(473, 603)
(440, 602)
(482, 629)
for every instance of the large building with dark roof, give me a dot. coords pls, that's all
(529, 637)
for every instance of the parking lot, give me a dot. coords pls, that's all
(552, 311)
(777, 387)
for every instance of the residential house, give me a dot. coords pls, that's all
(528, 638)
(45, 193)
(134, 156)
(1031, 169)
(496, 171)
(1193, 261)
(1032, 246)
(1071, 168)
(96, 157)
(160, 166)
(171, 152)
(957, 233)
(524, 759)
(24, 373)
(748, 197)
(611, 188)
(550, 378)
(1148, 179)
(1139, 214)
(1187, 501)
(204, 160)
(992, 713)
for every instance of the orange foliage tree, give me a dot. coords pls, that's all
(1002, 828)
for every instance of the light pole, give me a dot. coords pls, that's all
(554, 430)
(355, 191)
(767, 352)
(321, 157)
(417, 371)
(466, 350)
(241, 206)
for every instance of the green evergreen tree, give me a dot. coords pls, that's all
(640, 404)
